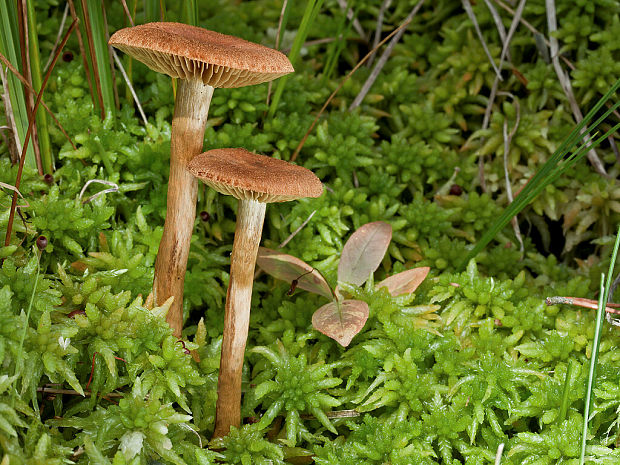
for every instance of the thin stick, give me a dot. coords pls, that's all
(72, 392)
(311, 43)
(294, 233)
(498, 22)
(384, 6)
(487, 112)
(342, 83)
(593, 157)
(614, 147)
(20, 169)
(128, 82)
(113, 188)
(26, 83)
(127, 12)
(383, 60)
(533, 30)
(350, 16)
(507, 141)
(58, 36)
(470, 12)
(581, 302)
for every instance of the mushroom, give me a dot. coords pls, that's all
(202, 60)
(255, 180)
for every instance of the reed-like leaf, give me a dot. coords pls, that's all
(37, 78)
(561, 160)
(154, 10)
(603, 297)
(93, 23)
(9, 46)
(190, 12)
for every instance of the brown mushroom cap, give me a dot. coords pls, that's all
(190, 52)
(249, 176)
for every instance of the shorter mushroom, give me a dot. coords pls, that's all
(255, 180)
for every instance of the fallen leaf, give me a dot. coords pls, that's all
(289, 268)
(363, 252)
(341, 320)
(404, 282)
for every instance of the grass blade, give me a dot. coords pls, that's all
(47, 162)
(98, 55)
(604, 295)
(9, 47)
(558, 163)
(20, 168)
(190, 12)
(312, 10)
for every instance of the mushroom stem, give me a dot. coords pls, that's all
(188, 125)
(250, 217)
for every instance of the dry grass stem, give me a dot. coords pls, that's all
(384, 6)
(593, 157)
(487, 112)
(507, 141)
(294, 233)
(119, 64)
(470, 12)
(342, 82)
(383, 59)
(58, 37)
(350, 16)
(22, 79)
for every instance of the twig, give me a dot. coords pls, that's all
(507, 141)
(22, 158)
(595, 161)
(342, 83)
(383, 59)
(501, 30)
(533, 30)
(487, 112)
(325, 40)
(582, 302)
(294, 233)
(127, 12)
(350, 16)
(114, 188)
(470, 12)
(384, 6)
(23, 80)
(72, 392)
(614, 147)
(128, 82)
(58, 36)
(335, 414)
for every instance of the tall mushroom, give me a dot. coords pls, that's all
(202, 60)
(255, 180)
